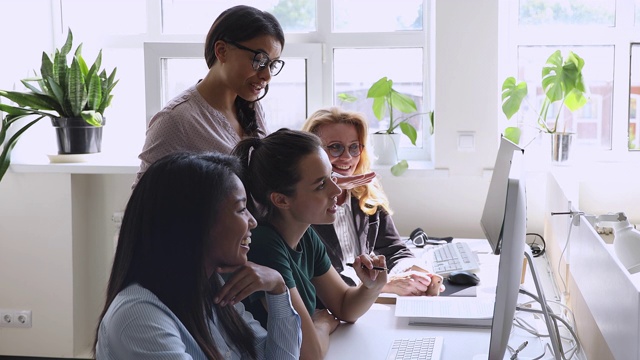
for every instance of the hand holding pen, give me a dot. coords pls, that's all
(379, 268)
(371, 270)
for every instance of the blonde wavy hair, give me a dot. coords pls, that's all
(370, 196)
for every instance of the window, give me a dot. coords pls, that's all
(325, 55)
(331, 47)
(603, 33)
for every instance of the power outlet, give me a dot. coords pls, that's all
(15, 318)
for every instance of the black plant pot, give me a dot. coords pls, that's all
(75, 136)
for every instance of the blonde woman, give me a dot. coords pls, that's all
(364, 224)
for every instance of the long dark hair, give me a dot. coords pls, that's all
(272, 165)
(241, 23)
(162, 243)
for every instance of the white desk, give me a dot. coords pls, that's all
(371, 336)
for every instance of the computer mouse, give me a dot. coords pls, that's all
(463, 278)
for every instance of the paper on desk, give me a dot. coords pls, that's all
(451, 311)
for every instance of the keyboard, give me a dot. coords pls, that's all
(447, 258)
(426, 348)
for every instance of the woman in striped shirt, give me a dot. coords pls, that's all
(185, 224)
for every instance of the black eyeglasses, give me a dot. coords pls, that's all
(337, 149)
(261, 60)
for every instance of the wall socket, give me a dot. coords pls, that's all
(15, 318)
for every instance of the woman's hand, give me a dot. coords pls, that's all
(246, 280)
(409, 283)
(352, 181)
(371, 279)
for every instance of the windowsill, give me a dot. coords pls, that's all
(416, 168)
(93, 164)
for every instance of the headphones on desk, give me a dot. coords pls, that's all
(537, 247)
(419, 238)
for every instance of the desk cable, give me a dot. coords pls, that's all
(575, 221)
(573, 339)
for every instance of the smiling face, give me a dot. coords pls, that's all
(345, 135)
(315, 198)
(238, 65)
(230, 235)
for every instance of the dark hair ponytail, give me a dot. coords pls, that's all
(272, 165)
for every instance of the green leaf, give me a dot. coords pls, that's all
(81, 62)
(27, 83)
(513, 134)
(5, 156)
(575, 100)
(379, 107)
(76, 91)
(432, 121)
(14, 111)
(60, 69)
(410, 131)
(399, 168)
(56, 91)
(380, 88)
(98, 62)
(106, 101)
(110, 81)
(512, 96)
(553, 77)
(46, 69)
(95, 93)
(402, 102)
(29, 99)
(92, 118)
(7, 122)
(66, 48)
(347, 98)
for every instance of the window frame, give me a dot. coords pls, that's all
(316, 48)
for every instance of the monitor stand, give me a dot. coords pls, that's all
(553, 335)
(553, 332)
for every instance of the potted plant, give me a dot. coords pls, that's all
(73, 95)
(563, 85)
(387, 102)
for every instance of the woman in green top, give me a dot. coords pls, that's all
(288, 175)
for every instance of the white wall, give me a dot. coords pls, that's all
(56, 246)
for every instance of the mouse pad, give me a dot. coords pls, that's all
(458, 290)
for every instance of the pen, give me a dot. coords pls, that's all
(374, 268)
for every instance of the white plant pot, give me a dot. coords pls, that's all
(385, 148)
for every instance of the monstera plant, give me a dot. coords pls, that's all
(68, 92)
(562, 83)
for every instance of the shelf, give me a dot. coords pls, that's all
(95, 164)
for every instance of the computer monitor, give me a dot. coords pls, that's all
(504, 221)
(493, 215)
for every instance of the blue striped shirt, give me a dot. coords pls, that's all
(138, 325)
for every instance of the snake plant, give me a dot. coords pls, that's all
(62, 89)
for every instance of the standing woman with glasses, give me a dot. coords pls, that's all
(364, 224)
(242, 51)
